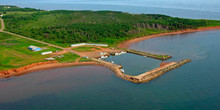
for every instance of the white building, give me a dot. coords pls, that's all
(34, 48)
(89, 44)
(50, 59)
(44, 53)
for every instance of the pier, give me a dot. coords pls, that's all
(154, 56)
(145, 77)
(109, 65)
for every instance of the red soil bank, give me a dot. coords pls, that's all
(12, 71)
(128, 42)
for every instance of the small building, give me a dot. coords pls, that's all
(103, 53)
(44, 53)
(89, 44)
(50, 59)
(1, 15)
(34, 48)
(80, 44)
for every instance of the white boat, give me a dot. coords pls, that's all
(113, 62)
(103, 53)
(117, 54)
(122, 70)
(104, 57)
(123, 52)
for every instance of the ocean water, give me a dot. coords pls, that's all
(197, 9)
(134, 64)
(195, 85)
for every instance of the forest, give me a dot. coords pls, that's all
(62, 27)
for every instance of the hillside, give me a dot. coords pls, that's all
(63, 27)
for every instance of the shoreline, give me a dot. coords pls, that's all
(46, 66)
(126, 44)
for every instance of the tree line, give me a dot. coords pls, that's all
(66, 27)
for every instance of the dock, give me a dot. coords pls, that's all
(109, 65)
(154, 56)
(145, 77)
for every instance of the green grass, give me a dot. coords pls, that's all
(0, 24)
(14, 52)
(85, 49)
(19, 12)
(84, 60)
(162, 56)
(68, 58)
(212, 23)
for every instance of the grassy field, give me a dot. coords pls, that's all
(212, 23)
(84, 60)
(162, 56)
(68, 58)
(14, 52)
(86, 49)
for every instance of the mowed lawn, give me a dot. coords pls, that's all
(14, 52)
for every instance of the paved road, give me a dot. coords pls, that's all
(52, 45)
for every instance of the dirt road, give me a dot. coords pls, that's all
(52, 45)
(3, 26)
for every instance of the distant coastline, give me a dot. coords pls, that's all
(126, 44)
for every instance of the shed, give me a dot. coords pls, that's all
(89, 44)
(50, 59)
(34, 48)
(44, 53)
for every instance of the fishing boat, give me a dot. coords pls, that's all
(102, 57)
(122, 70)
(117, 54)
(123, 52)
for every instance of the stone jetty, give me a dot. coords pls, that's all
(158, 57)
(145, 77)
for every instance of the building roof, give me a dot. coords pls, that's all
(33, 47)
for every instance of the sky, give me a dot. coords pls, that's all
(201, 5)
(197, 9)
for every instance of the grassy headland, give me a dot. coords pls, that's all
(63, 27)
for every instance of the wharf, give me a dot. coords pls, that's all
(158, 57)
(145, 77)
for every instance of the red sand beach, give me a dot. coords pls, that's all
(128, 42)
